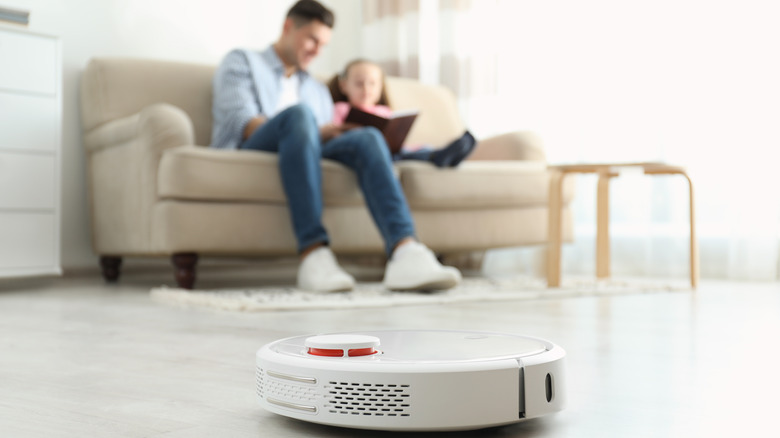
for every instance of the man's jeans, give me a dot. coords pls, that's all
(295, 136)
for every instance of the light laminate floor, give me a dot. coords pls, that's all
(82, 359)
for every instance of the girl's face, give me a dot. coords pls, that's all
(363, 85)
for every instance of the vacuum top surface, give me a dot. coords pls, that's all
(411, 346)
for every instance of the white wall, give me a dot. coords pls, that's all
(181, 30)
(345, 44)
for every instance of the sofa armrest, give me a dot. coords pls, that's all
(157, 127)
(124, 158)
(518, 145)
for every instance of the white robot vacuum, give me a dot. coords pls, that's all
(412, 380)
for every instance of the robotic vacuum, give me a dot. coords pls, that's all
(411, 380)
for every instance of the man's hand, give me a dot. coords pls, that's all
(252, 125)
(331, 131)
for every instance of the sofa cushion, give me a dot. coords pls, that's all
(199, 173)
(475, 184)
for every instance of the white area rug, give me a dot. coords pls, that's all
(368, 295)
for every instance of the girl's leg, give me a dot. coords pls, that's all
(455, 152)
(423, 154)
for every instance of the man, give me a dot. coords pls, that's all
(267, 101)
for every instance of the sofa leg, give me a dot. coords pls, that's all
(469, 261)
(110, 267)
(184, 269)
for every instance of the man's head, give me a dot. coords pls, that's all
(306, 30)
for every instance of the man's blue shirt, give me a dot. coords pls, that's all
(247, 84)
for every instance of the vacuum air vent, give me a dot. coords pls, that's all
(368, 399)
(268, 387)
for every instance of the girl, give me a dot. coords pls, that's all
(362, 85)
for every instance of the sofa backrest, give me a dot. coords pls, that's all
(439, 121)
(113, 88)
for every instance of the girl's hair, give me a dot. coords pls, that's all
(339, 96)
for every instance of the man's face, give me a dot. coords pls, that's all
(302, 44)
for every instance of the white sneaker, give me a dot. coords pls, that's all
(320, 272)
(414, 267)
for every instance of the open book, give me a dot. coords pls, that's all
(395, 128)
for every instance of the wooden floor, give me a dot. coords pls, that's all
(82, 359)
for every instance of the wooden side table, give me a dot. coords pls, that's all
(605, 171)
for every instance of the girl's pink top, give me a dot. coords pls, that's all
(341, 109)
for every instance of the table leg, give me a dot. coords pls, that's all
(554, 229)
(694, 243)
(602, 226)
(694, 246)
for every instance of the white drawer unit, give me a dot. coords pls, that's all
(30, 122)
(27, 182)
(31, 235)
(30, 143)
(30, 62)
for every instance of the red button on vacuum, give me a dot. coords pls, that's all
(340, 353)
(362, 352)
(338, 345)
(326, 352)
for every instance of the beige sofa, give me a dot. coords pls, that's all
(157, 191)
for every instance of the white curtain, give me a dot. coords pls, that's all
(391, 35)
(689, 82)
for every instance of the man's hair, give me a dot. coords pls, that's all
(306, 11)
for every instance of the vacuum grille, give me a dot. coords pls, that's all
(278, 389)
(368, 399)
(259, 381)
(341, 398)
